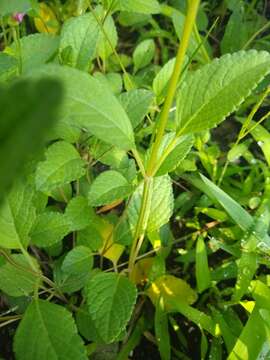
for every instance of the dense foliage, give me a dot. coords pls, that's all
(135, 180)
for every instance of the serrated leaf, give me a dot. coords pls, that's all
(17, 216)
(108, 187)
(117, 296)
(136, 103)
(35, 50)
(69, 282)
(25, 124)
(140, 6)
(160, 204)
(90, 105)
(143, 54)
(171, 288)
(56, 339)
(49, 229)
(181, 149)
(17, 282)
(81, 35)
(11, 6)
(78, 213)
(77, 261)
(62, 165)
(90, 237)
(210, 94)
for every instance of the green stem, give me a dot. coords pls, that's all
(180, 58)
(142, 221)
(148, 179)
(16, 38)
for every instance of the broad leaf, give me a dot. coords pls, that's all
(78, 261)
(180, 150)
(79, 37)
(210, 94)
(171, 288)
(12, 6)
(161, 80)
(15, 281)
(117, 296)
(69, 282)
(36, 50)
(17, 216)
(136, 104)
(140, 6)
(89, 104)
(62, 165)
(143, 54)
(8, 66)
(49, 229)
(48, 331)
(160, 204)
(78, 213)
(25, 124)
(108, 187)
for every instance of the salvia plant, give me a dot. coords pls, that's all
(130, 228)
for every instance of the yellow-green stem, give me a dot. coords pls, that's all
(148, 180)
(180, 58)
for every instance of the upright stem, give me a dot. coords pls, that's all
(161, 126)
(188, 27)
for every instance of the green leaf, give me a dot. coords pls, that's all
(262, 136)
(198, 317)
(80, 36)
(48, 331)
(247, 267)
(107, 43)
(25, 124)
(253, 342)
(62, 165)
(143, 54)
(136, 104)
(79, 260)
(140, 6)
(117, 295)
(78, 213)
(90, 237)
(12, 6)
(210, 94)
(68, 282)
(17, 216)
(180, 150)
(49, 229)
(161, 80)
(15, 281)
(35, 50)
(162, 331)
(236, 212)
(160, 204)
(8, 66)
(203, 277)
(108, 187)
(89, 104)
